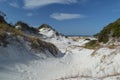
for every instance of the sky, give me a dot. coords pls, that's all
(70, 17)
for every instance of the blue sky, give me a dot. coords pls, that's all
(70, 17)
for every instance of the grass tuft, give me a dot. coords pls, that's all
(93, 44)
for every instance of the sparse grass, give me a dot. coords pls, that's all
(38, 44)
(4, 30)
(7, 28)
(93, 44)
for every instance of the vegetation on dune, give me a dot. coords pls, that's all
(38, 44)
(47, 26)
(7, 31)
(110, 31)
(44, 26)
(93, 44)
(25, 27)
(5, 27)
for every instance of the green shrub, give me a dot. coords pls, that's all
(111, 30)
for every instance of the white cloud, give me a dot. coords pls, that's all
(30, 4)
(30, 14)
(65, 16)
(14, 4)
